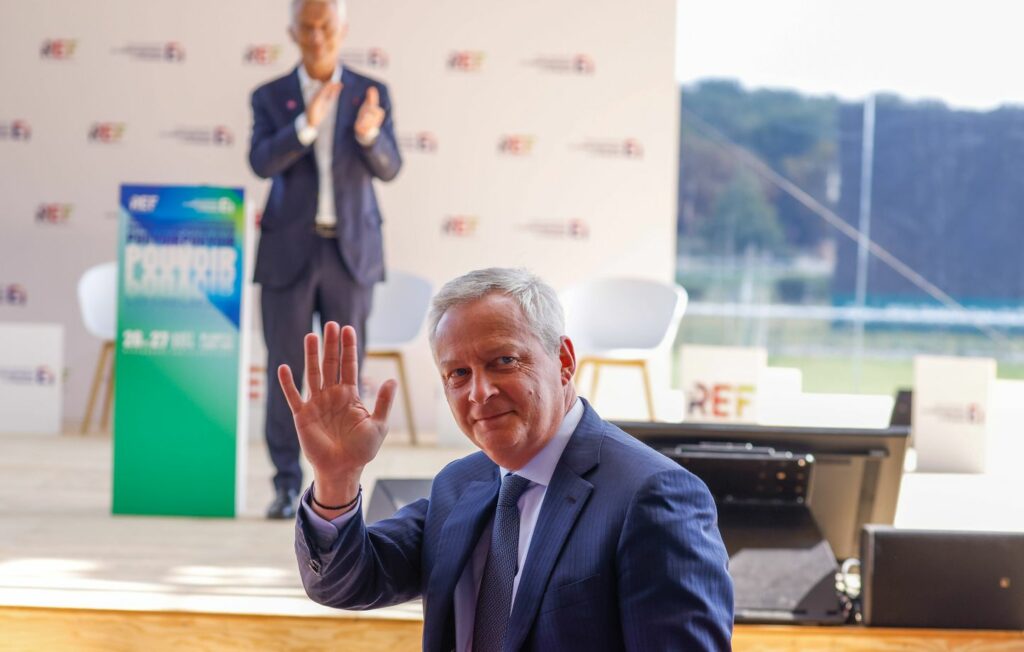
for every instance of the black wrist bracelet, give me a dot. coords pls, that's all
(312, 496)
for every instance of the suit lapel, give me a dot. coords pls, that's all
(563, 502)
(459, 535)
(294, 103)
(348, 105)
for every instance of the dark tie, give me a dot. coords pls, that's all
(494, 602)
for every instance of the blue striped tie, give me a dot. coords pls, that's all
(494, 602)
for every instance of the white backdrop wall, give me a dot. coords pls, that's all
(534, 133)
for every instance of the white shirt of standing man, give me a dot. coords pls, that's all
(319, 27)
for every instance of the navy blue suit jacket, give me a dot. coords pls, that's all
(626, 554)
(287, 235)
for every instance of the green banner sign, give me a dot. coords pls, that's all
(178, 444)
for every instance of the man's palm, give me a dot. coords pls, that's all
(337, 433)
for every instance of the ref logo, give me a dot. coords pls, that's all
(516, 145)
(16, 130)
(576, 64)
(143, 203)
(174, 51)
(583, 64)
(459, 226)
(367, 57)
(721, 400)
(574, 228)
(423, 141)
(221, 135)
(53, 213)
(217, 135)
(262, 55)
(466, 60)
(59, 49)
(627, 148)
(45, 375)
(106, 133)
(377, 58)
(41, 375)
(13, 294)
(632, 148)
(169, 51)
(577, 228)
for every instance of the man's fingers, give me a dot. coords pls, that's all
(385, 397)
(331, 352)
(327, 92)
(312, 343)
(330, 88)
(291, 392)
(349, 357)
(372, 96)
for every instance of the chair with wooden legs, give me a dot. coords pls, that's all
(97, 299)
(622, 322)
(400, 306)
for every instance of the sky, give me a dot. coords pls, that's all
(968, 54)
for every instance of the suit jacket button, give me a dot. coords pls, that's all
(314, 565)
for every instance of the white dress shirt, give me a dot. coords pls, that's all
(538, 471)
(322, 137)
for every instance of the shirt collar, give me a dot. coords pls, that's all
(305, 81)
(540, 469)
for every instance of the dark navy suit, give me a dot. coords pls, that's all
(626, 554)
(301, 272)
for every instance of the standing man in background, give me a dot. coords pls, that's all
(322, 133)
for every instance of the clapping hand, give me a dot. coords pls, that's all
(321, 103)
(371, 115)
(338, 435)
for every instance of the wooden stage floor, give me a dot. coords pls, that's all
(73, 577)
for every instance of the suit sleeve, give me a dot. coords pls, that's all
(675, 592)
(272, 148)
(366, 567)
(383, 157)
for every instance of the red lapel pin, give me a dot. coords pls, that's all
(291, 104)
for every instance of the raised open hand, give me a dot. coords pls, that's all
(339, 436)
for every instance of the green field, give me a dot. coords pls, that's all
(825, 353)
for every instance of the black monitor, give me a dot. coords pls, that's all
(857, 471)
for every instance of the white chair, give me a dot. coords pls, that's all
(400, 306)
(97, 299)
(622, 322)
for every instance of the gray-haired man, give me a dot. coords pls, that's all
(564, 533)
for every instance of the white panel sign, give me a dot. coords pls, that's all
(31, 360)
(533, 133)
(950, 413)
(720, 382)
